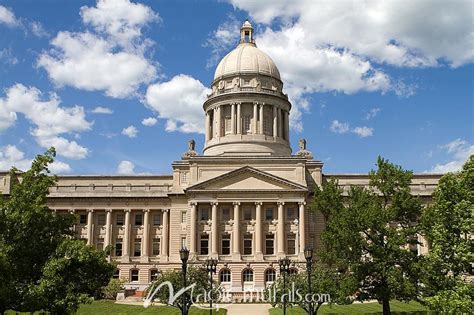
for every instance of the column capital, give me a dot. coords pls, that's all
(165, 210)
(302, 203)
(193, 203)
(127, 210)
(146, 210)
(281, 203)
(214, 203)
(71, 210)
(258, 203)
(255, 103)
(90, 210)
(108, 210)
(236, 203)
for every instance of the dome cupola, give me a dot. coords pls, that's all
(247, 112)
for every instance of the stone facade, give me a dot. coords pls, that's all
(244, 201)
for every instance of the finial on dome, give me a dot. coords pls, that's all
(246, 33)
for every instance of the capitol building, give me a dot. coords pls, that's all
(243, 200)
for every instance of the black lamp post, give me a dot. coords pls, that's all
(284, 269)
(211, 267)
(308, 255)
(184, 255)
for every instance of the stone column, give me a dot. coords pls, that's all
(232, 118)
(214, 230)
(260, 131)
(74, 227)
(90, 227)
(164, 235)
(258, 230)
(280, 125)
(287, 126)
(255, 114)
(108, 227)
(236, 232)
(275, 122)
(146, 235)
(281, 229)
(301, 225)
(126, 237)
(239, 118)
(208, 126)
(218, 122)
(193, 228)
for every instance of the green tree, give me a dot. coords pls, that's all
(448, 225)
(35, 245)
(324, 281)
(368, 232)
(196, 276)
(113, 288)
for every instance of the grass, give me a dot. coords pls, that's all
(396, 307)
(109, 308)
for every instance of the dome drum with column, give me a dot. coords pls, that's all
(247, 112)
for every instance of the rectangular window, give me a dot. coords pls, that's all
(183, 217)
(134, 275)
(290, 213)
(101, 219)
(269, 244)
(184, 177)
(120, 219)
(100, 244)
(137, 248)
(266, 125)
(247, 214)
(156, 247)
(248, 244)
(269, 214)
(83, 219)
(204, 248)
(246, 124)
(157, 219)
(138, 219)
(291, 244)
(226, 214)
(118, 247)
(204, 214)
(225, 245)
(227, 124)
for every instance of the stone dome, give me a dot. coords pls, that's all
(246, 58)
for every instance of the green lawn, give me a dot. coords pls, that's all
(397, 308)
(109, 308)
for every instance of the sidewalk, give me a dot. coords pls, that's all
(250, 309)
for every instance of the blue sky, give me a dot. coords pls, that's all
(378, 78)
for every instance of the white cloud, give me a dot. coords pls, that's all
(8, 18)
(50, 120)
(179, 101)
(125, 168)
(150, 121)
(372, 113)
(38, 30)
(110, 57)
(460, 150)
(130, 131)
(221, 40)
(7, 57)
(102, 110)
(419, 33)
(363, 131)
(343, 127)
(11, 156)
(339, 127)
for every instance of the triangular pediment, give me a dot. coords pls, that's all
(247, 179)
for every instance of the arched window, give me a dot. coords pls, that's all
(270, 276)
(293, 271)
(134, 275)
(247, 275)
(225, 275)
(154, 273)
